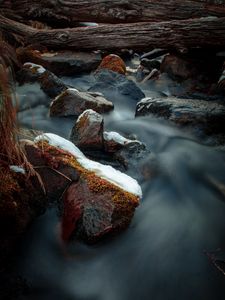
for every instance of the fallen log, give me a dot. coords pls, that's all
(204, 32)
(115, 11)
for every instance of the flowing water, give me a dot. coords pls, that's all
(163, 254)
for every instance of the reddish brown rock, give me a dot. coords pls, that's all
(55, 174)
(87, 133)
(72, 103)
(113, 63)
(92, 206)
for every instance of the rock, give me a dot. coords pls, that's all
(154, 53)
(150, 64)
(54, 173)
(178, 68)
(72, 103)
(87, 133)
(153, 75)
(113, 141)
(199, 67)
(203, 117)
(102, 201)
(126, 151)
(108, 81)
(113, 63)
(63, 63)
(49, 82)
(131, 155)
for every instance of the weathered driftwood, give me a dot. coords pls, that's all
(204, 32)
(114, 11)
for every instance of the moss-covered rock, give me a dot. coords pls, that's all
(113, 63)
(92, 206)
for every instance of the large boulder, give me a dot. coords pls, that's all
(109, 82)
(72, 103)
(87, 133)
(113, 63)
(101, 202)
(63, 63)
(202, 117)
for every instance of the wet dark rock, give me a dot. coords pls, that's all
(49, 82)
(150, 64)
(91, 212)
(72, 103)
(203, 117)
(199, 67)
(62, 63)
(107, 80)
(178, 68)
(87, 133)
(131, 155)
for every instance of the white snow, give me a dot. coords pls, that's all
(58, 141)
(72, 90)
(17, 169)
(39, 68)
(118, 138)
(112, 175)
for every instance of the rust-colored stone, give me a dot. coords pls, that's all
(114, 63)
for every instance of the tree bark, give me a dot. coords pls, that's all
(111, 11)
(204, 32)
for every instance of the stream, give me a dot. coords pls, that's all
(165, 253)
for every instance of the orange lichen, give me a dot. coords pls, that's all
(114, 63)
(96, 184)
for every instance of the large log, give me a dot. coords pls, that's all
(204, 32)
(111, 11)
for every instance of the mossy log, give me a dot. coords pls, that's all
(115, 11)
(206, 32)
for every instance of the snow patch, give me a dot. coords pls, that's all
(39, 68)
(112, 175)
(116, 137)
(17, 169)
